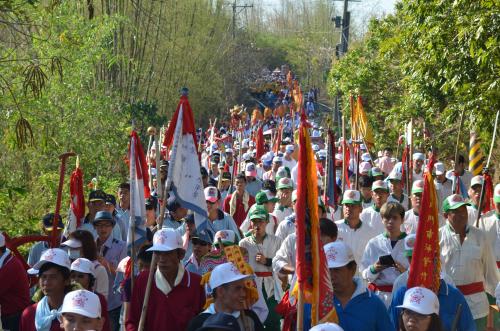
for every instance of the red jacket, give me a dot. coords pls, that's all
(28, 320)
(240, 214)
(14, 287)
(104, 312)
(170, 312)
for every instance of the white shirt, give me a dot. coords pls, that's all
(377, 247)
(472, 215)
(282, 212)
(405, 203)
(268, 248)
(289, 163)
(410, 223)
(469, 262)
(490, 224)
(356, 239)
(286, 254)
(286, 227)
(372, 217)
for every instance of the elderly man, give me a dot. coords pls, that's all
(176, 294)
(357, 307)
(228, 288)
(467, 258)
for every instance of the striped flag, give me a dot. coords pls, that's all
(475, 154)
(312, 272)
(425, 265)
(139, 191)
(184, 166)
(330, 197)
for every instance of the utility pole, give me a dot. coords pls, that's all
(346, 18)
(235, 7)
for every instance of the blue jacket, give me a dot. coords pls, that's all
(449, 298)
(365, 311)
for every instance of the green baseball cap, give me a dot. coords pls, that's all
(380, 184)
(453, 202)
(265, 196)
(417, 187)
(259, 213)
(285, 183)
(376, 172)
(351, 197)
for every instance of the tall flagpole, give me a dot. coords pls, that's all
(481, 197)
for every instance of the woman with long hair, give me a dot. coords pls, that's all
(420, 311)
(81, 244)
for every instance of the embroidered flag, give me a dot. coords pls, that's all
(312, 272)
(425, 265)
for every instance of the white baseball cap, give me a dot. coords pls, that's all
(380, 184)
(226, 236)
(337, 254)
(72, 243)
(246, 157)
(2, 240)
(166, 240)
(366, 157)
(395, 175)
(477, 180)
(82, 302)
(229, 151)
(225, 273)
(289, 149)
(439, 169)
(315, 147)
(419, 156)
(326, 327)
(277, 159)
(364, 167)
(52, 255)
(211, 193)
(421, 300)
(250, 170)
(83, 265)
(351, 197)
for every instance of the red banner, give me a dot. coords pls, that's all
(425, 264)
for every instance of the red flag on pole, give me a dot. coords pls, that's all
(259, 143)
(488, 194)
(312, 271)
(77, 202)
(425, 264)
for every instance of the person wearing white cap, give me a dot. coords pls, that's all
(254, 184)
(82, 272)
(351, 230)
(176, 294)
(418, 166)
(14, 288)
(239, 202)
(491, 224)
(371, 215)
(54, 282)
(443, 184)
(396, 188)
(384, 260)
(271, 174)
(261, 248)
(227, 285)
(467, 257)
(81, 310)
(356, 307)
(326, 327)
(411, 216)
(449, 297)
(217, 219)
(288, 160)
(420, 311)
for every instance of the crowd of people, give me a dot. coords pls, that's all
(368, 237)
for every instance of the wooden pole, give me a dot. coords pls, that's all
(481, 197)
(300, 310)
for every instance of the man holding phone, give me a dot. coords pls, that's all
(384, 259)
